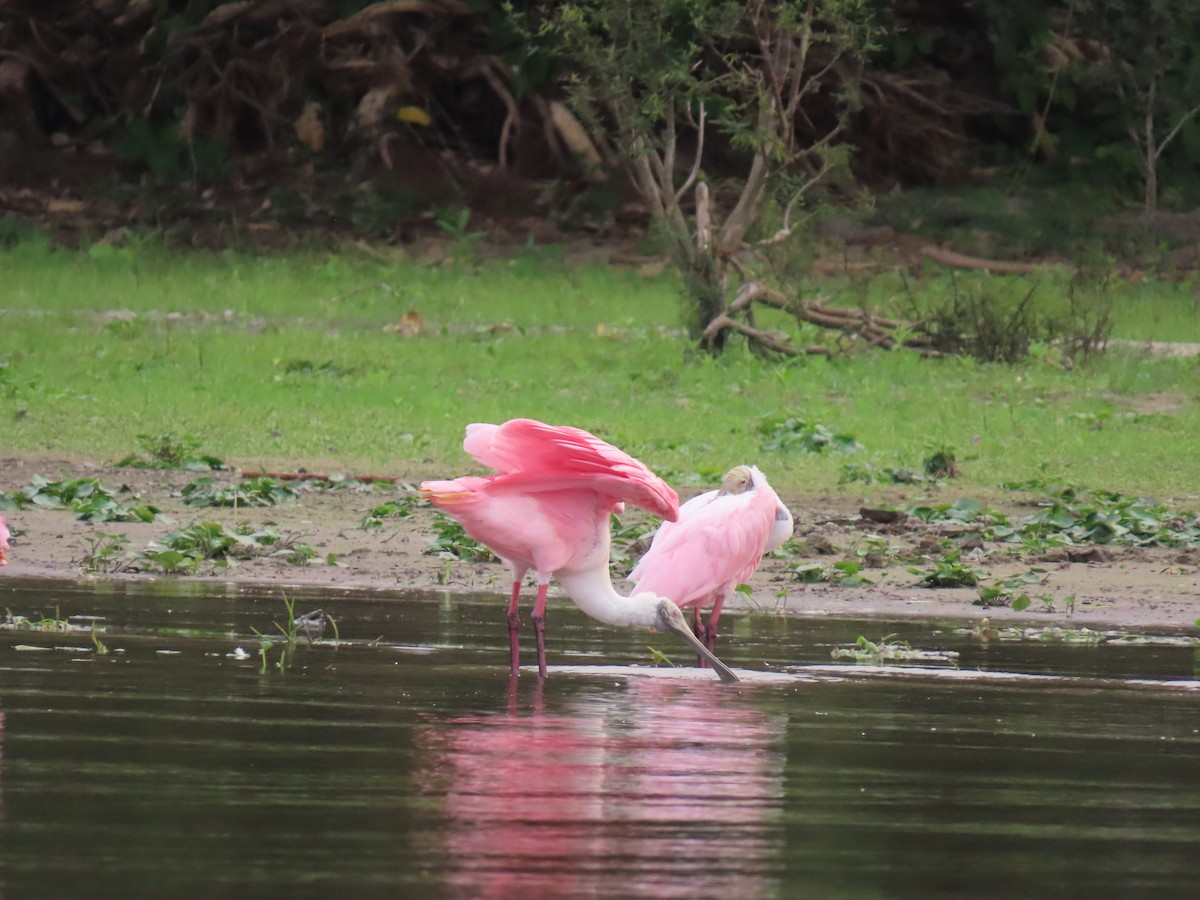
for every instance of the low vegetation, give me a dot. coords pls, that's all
(450, 542)
(188, 550)
(262, 491)
(156, 346)
(889, 649)
(90, 500)
(170, 451)
(1070, 516)
(399, 508)
(949, 544)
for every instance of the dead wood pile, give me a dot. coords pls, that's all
(255, 77)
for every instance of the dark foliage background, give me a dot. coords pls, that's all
(372, 117)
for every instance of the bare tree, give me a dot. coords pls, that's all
(769, 84)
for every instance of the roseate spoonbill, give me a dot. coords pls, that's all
(548, 510)
(715, 545)
(4, 536)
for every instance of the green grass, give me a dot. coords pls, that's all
(301, 372)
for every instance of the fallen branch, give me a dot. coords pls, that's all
(962, 261)
(864, 328)
(766, 339)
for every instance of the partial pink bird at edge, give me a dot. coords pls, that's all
(548, 509)
(717, 543)
(5, 534)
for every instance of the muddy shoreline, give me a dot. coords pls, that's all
(1130, 588)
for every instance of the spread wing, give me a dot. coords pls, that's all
(533, 456)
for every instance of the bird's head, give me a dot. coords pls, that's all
(669, 618)
(737, 480)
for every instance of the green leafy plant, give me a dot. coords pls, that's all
(658, 658)
(887, 649)
(456, 221)
(340, 482)
(450, 542)
(56, 623)
(1102, 517)
(846, 573)
(869, 473)
(90, 500)
(261, 491)
(790, 434)
(400, 508)
(630, 538)
(1058, 634)
(170, 451)
(1010, 591)
(1151, 640)
(106, 553)
(41, 623)
(875, 552)
(948, 572)
(168, 561)
(1071, 516)
(182, 551)
(288, 633)
(964, 510)
(298, 554)
(942, 462)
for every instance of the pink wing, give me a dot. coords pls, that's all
(4, 536)
(544, 530)
(532, 456)
(717, 544)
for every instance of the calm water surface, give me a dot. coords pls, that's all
(403, 762)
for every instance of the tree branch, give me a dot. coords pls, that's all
(768, 339)
(695, 172)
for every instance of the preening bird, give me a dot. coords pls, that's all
(4, 536)
(716, 544)
(547, 509)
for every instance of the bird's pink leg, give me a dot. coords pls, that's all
(539, 625)
(514, 628)
(710, 631)
(698, 630)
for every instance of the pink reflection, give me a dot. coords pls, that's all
(659, 789)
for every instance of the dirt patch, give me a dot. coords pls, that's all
(1130, 587)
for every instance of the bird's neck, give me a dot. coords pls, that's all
(592, 592)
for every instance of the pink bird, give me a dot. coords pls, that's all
(716, 544)
(4, 536)
(548, 510)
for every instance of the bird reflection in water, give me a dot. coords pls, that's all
(662, 789)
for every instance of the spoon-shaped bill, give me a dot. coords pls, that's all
(673, 620)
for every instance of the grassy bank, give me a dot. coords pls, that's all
(286, 361)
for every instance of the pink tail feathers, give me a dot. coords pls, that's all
(456, 492)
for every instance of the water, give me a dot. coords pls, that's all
(404, 763)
